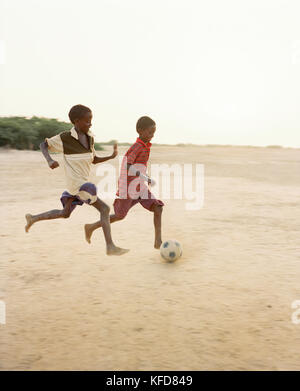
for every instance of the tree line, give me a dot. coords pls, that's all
(28, 133)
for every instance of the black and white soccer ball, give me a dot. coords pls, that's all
(171, 250)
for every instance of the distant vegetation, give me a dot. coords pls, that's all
(112, 142)
(28, 133)
(98, 147)
(274, 146)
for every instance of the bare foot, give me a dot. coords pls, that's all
(88, 232)
(29, 220)
(113, 250)
(157, 243)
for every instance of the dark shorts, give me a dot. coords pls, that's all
(87, 195)
(122, 205)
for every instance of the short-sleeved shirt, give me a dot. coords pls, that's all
(137, 155)
(77, 158)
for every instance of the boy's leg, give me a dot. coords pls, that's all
(90, 228)
(51, 214)
(111, 249)
(157, 210)
(121, 208)
(149, 202)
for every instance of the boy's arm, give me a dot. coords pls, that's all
(44, 148)
(98, 159)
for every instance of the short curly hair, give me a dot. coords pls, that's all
(77, 112)
(144, 123)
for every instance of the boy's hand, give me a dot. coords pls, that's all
(151, 182)
(115, 152)
(146, 178)
(53, 164)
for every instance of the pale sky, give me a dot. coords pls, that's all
(208, 72)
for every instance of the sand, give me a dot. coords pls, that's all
(225, 305)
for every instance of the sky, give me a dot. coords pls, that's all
(208, 72)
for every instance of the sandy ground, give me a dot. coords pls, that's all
(225, 305)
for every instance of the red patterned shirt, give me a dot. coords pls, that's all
(137, 155)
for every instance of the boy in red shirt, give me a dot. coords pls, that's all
(131, 185)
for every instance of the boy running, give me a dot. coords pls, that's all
(131, 185)
(77, 146)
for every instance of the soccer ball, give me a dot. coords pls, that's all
(170, 250)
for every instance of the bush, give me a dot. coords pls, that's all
(28, 133)
(98, 147)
